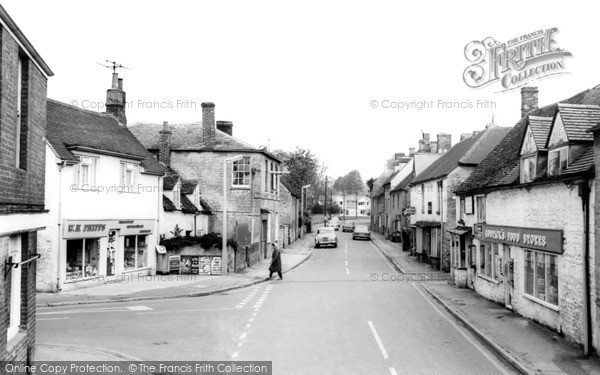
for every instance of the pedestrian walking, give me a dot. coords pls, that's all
(275, 262)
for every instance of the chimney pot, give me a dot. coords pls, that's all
(115, 80)
(434, 147)
(411, 151)
(426, 137)
(529, 100)
(121, 84)
(116, 100)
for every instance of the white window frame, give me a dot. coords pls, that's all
(528, 175)
(92, 166)
(14, 313)
(177, 196)
(491, 260)
(135, 172)
(563, 157)
(245, 173)
(480, 217)
(534, 297)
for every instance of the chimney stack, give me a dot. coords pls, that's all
(411, 151)
(116, 101)
(225, 127)
(444, 141)
(529, 100)
(164, 145)
(434, 147)
(208, 125)
(464, 136)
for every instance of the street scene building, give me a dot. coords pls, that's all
(23, 93)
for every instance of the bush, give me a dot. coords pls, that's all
(206, 241)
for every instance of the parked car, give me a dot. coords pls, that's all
(361, 231)
(348, 227)
(326, 236)
(335, 224)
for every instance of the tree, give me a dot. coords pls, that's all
(370, 183)
(351, 183)
(305, 169)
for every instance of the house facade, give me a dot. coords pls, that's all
(184, 212)
(23, 90)
(353, 205)
(104, 197)
(289, 223)
(201, 151)
(529, 204)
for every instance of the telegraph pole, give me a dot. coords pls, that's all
(325, 202)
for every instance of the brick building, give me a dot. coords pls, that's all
(199, 151)
(103, 196)
(22, 129)
(529, 204)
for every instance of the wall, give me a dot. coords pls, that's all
(536, 208)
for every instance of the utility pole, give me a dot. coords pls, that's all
(325, 201)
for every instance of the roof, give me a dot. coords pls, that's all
(389, 179)
(169, 182)
(168, 205)
(448, 161)
(189, 137)
(540, 128)
(486, 143)
(380, 181)
(205, 207)
(501, 166)
(8, 22)
(187, 206)
(188, 186)
(291, 187)
(577, 119)
(69, 127)
(403, 184)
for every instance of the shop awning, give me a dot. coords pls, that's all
(459, 230)
(424, 224)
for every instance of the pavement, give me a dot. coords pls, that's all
(135, 288)
(528, 346)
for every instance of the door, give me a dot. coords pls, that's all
(508, 277)
(263, 237)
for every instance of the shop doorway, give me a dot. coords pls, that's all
(263, 237)
(508, 276)
(111, 253)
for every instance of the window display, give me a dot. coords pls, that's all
(541, 276)
(82, 258)
(135, 252)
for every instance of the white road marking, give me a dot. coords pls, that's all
(469, 339)
(139, 308)
(66, 317)
(393, 371)
(234, 355)
(184, 311)
(239, 345)
(95, 310)
(248, 326)
(243, 336)
(347, 271)
(379, 343)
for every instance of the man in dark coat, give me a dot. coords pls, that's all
(275, 262)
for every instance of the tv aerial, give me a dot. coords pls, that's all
(113, 65)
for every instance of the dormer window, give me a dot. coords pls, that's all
(558, 161)
(528, 168)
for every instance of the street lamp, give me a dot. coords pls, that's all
(224, 261)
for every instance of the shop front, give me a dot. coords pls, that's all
(462, 257)
(103, 250)
(520, 267)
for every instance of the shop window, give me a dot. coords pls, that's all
(129, 174)
(492, 260)
(527, 169)
(14, 297)
(82, 258)
(241, 172)
(541, 276)
(86, 172)
(481, 208)
(135, 252)
(558, 161)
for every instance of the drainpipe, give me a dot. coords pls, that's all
(584, 193)
(58, 243)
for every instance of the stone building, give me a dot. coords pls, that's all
(529, 205)
(23, 91)
(103, 196)
(289, 222)
(200, 151)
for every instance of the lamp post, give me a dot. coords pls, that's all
(224, 260)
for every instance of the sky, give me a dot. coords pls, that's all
(310, 74)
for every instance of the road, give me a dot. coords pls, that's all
(326, 317)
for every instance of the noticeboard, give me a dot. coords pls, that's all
(215, 266)
(174, 263)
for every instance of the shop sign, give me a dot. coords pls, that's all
(410, 211)
(549, 240)
(100, 228)
(174, 263)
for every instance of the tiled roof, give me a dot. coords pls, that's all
(501, 166)
(540, 128)
(577, 119)
(69, 126)
(169, 182)
(486, 143)
(187, 206)
(403, 184)
(448, 161)
(168, 205)
(291, 188)
(389, 179)
(188, 186)
(583, 164)
(380, 181)
(205, 207)
(189, 137)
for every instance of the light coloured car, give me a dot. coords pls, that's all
(334, 223)
(348, 227)
(361, 231)
(326, 237)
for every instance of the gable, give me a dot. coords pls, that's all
(529, 145)
(558, 135)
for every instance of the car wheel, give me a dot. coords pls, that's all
(353, 237)
(317, 246)
(335, 244)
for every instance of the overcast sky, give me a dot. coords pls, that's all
(302, 74)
